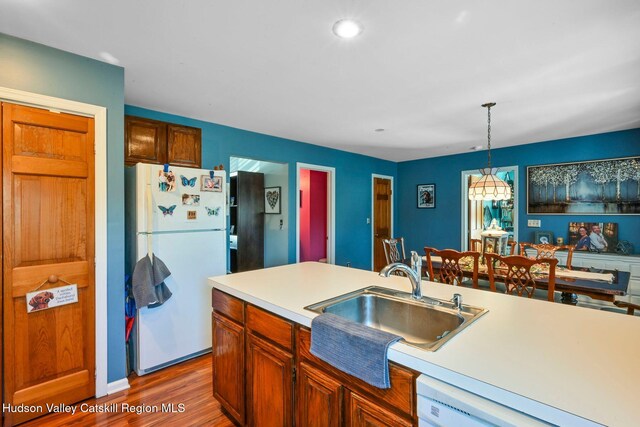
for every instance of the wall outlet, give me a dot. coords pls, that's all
(368, 220)
(534, 223)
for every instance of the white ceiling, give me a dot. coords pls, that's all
(420, 69)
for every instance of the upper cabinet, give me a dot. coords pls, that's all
(153, 141)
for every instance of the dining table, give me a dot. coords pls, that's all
(604, 285)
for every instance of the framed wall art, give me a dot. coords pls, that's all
(598, 187)
(272, 200)
(209, 183)
(594, 236)
(426, 196)
(543, 238)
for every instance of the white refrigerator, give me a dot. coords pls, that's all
(181, 214)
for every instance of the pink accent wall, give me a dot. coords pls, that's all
(313, 215)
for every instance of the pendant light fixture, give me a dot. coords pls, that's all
(489, 186)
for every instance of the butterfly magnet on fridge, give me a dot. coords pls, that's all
(167, 211)
(186, 182)
(213, 212)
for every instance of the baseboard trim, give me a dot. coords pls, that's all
(117, 386)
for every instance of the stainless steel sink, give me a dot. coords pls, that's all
(426, 323)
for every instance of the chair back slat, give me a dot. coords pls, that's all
(451, 270)
(545, 250)
(518, 277)
(394, 249)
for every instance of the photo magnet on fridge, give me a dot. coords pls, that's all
(166, 181)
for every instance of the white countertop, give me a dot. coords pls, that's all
(549, 360)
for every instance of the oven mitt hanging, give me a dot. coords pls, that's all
(149, 289)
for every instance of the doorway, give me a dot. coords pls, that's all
(382, 217)
(478, 214)
(251, 221)
(315, 219)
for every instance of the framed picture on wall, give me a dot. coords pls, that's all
(426, 196)
(597, 187)
(272, 200)
(544, 238)
(593, 236)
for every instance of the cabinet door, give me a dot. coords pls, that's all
(184, 146)
(269, 384)
(228, 366)
(145, 141)
(319, 398)
(362, 412)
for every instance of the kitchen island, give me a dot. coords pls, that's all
(562, 364)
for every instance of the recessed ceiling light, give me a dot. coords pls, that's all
(379, 130)
(347, 28)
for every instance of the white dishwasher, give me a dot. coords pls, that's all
(441, 404)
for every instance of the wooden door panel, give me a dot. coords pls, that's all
(319, 398)
(60, 217)
(184, 146)
(145, 141)
(364, 413)
(269, 384)
(48, 230)
(228, 366)
(65, 137)
(381, 220)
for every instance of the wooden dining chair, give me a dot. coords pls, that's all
(544, 250)
(517, 276)
(451, 271)
(513, 245)
(475, 245)
(394, 249)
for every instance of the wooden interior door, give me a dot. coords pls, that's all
(48, 231)
(381, 219)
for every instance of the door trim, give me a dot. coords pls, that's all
(331, 226)
(464, 239)
(373, 212)
(99, 115)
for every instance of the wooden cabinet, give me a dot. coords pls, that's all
(362, 412)
(318, 398)
(269, 384)
(396, 404)
(228, 366)
(247, 220)
(265, 375)
(153, 141)
(228, 354)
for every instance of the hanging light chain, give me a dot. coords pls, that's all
(489, 132)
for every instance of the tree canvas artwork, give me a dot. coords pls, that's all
(598, 187)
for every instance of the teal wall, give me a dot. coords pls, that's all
(442, 227)
(353, 177)
(40, 69)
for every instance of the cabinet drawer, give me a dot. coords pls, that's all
(401, 395)
(270, 326)
(228, 306)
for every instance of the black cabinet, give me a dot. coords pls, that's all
(246, 196)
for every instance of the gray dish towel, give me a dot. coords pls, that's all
(356, 349)
(147, 282)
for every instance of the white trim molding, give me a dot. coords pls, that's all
(373, 212)
(116, 386)
(331, 206)
(464, 176)
(100, 122)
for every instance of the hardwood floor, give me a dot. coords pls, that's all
(188, 383)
